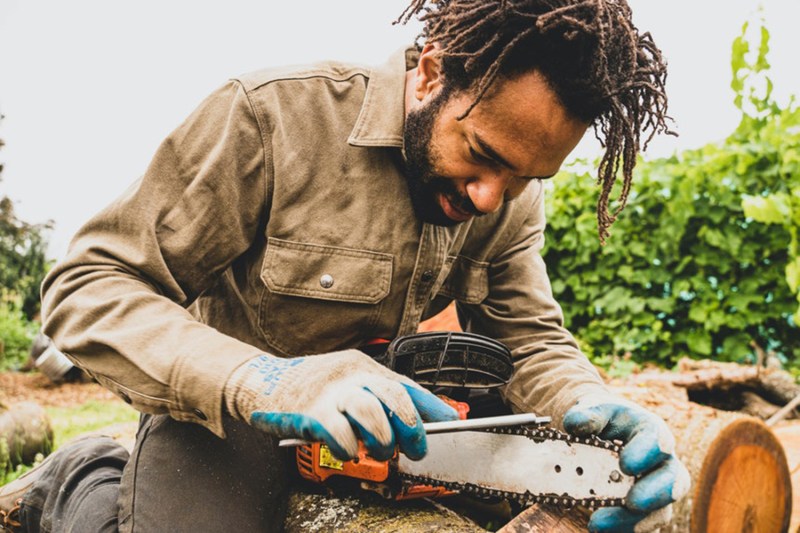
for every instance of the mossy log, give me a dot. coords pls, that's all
(321, 513)
(25, 431)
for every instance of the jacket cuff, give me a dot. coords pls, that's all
(199, 381)
(569, 398)
(558, 407)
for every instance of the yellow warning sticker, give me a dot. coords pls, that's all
(327, 459)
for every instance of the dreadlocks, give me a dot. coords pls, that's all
(603, 71)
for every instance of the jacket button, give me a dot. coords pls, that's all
(125, 397)
(427, 276)
(199, 414)
(326, 281)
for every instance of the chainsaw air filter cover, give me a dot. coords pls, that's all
(450, 359)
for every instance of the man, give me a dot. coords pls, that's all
(297, 214)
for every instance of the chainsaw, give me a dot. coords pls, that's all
(515, 457)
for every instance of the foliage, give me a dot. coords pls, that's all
(16, 332)
(23, 261)
(23, 264)
(779, 204)
(686, 271)
(7, 474)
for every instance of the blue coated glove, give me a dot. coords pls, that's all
(337, 398)
(648, 451)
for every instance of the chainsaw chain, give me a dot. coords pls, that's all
(536, 434)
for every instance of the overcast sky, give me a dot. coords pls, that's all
(90, 87)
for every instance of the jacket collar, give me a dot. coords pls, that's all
(383, 113)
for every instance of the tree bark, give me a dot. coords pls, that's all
(24, 432)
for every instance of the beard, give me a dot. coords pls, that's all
(424, 184)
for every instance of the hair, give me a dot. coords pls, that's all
(602, 69)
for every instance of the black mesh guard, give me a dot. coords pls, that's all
(450, 359)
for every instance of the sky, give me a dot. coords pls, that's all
(89, 88)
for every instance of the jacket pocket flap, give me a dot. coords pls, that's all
(468, 281)
(326, 272)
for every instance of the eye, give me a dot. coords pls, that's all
(480, 158)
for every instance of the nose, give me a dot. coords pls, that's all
(488, 192)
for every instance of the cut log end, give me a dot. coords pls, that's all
(744, 484)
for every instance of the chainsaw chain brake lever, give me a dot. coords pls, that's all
(449, 359)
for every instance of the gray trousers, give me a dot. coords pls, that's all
(179, 477)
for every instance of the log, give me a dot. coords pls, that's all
(547, 519)
(779, 386)
(323, 513)
(25, 431)
(753, 390)
(755, 405)
(740, 477)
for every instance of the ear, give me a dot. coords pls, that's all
(429, 71)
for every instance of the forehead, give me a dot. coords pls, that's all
(524, 116)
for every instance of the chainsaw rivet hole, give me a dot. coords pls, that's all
(579, 471)
(558, 468)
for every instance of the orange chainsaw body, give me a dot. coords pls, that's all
(316, 463)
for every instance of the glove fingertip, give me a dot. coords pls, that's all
(583, 422)
(409, 438)
(641, 454)
(298, 425)
(613, 519)
(659, 488)
(430, 406)
(376, 449)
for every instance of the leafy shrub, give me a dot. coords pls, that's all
(780, 204)
(23, 261)
(16, 332)
(685, 272)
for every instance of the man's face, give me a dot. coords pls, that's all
(459, 169)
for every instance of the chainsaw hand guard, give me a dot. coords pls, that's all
(450, 359)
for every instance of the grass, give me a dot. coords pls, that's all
(69, 422)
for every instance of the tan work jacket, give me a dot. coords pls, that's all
(277, 219)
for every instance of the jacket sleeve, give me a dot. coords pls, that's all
(551, 373)
(116, 304)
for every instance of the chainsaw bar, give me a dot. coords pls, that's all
(517, 470)
(450, 359)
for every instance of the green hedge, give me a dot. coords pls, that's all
(685, 272)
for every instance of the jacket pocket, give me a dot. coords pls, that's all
(319, 298)
(468, 281)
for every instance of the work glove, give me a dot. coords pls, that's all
(648, 451)
(336, 398)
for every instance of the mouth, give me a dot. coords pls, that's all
(452, 212)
